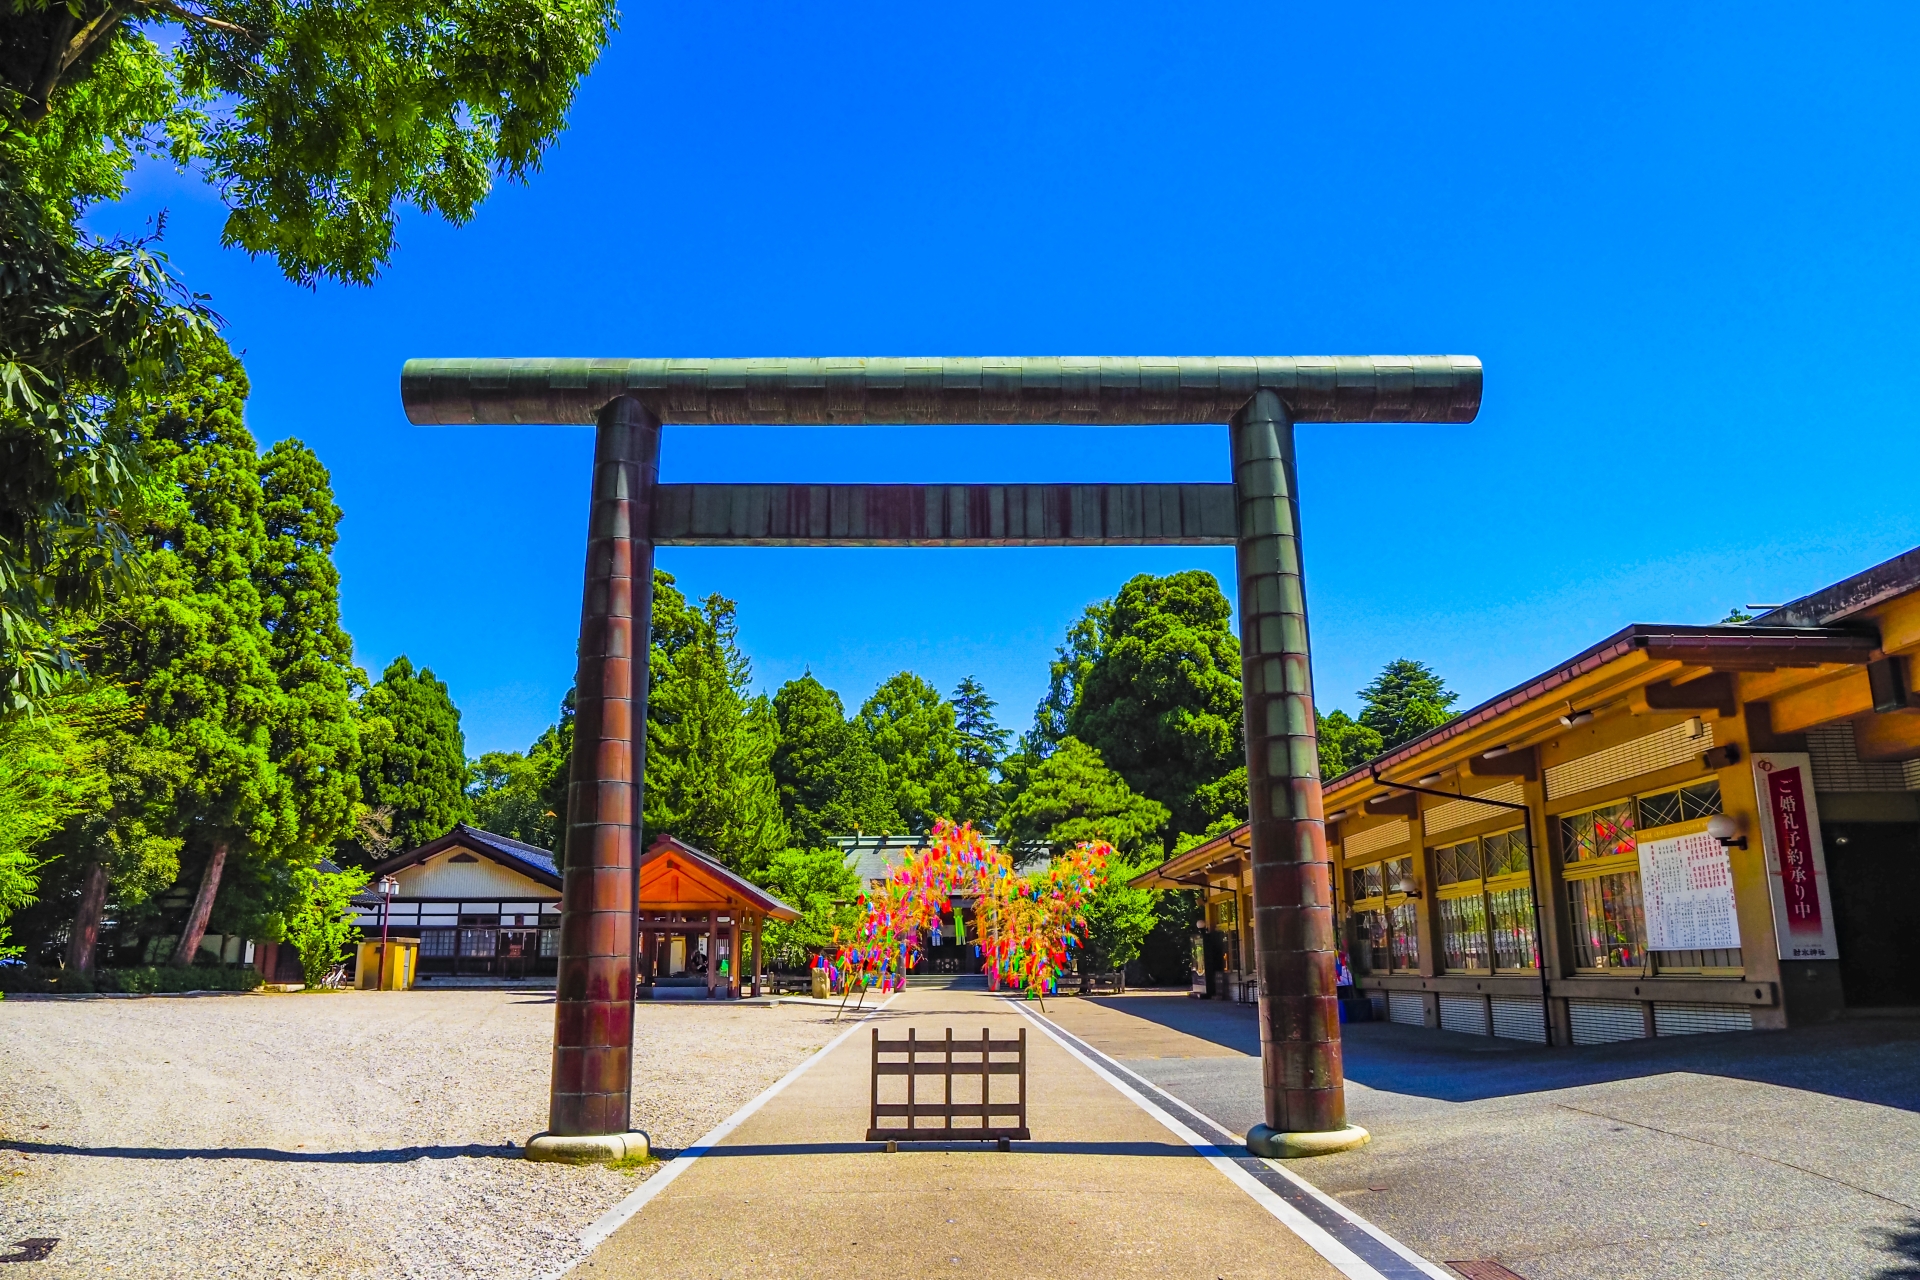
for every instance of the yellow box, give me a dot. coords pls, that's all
(397, 972)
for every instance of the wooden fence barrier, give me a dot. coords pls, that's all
(915, 1058)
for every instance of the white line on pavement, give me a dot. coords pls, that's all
(1430, 1268)
(1349, 1263)
(615, 1218)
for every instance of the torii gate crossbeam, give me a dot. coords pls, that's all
(1259, 399)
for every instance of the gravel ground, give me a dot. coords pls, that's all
(363, 1134)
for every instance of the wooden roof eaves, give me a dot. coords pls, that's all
(1183, 869)
(729, 884)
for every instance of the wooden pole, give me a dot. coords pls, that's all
(713, 952)
(733, 952)
(758, 920)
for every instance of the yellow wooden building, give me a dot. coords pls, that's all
(1681, 829)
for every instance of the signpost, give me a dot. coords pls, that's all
(1257, 399)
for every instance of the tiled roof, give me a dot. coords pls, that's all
(530, 860)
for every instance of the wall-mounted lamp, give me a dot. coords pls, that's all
(1408, 887)
(1494, 753)
(1337, 814)
(1695, 726)
(1727, 831)
(1573, 717)
(1429, 780)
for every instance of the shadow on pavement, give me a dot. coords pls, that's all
(1906, 1243)
(395, 1155)
(1867, 1060)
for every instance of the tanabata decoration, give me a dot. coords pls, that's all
(1026, 926)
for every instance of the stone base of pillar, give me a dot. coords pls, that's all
(588, 1149)
(1273, 1145)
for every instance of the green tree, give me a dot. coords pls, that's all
(1072, 797)
(831, 782)
(916, 734)
(315, 122)
(818, 884)
(982, 741)
(320, 924)
(1067, 676)
(1344, 743)
(1160, 699)
(1404, 701)
(194, 643)
(710, 745)
(415, 761)
(525, 795)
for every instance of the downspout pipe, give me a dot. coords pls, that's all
(1533, 881)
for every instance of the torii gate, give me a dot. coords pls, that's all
(1259, 399)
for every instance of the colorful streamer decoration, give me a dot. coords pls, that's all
(1026, 926)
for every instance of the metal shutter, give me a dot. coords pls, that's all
(1465, 1013)
(1405, 1007)
(1672, 1019)
(1519, 1019)
(1604, 1021)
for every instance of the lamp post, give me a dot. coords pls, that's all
(389, 886)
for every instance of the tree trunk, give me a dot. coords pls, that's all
(202, 907)
(86, 918)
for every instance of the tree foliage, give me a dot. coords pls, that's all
(1159, 698)
(415, 761)
(830, 781)
(710, 744)
(1344, 743)
(320, 925)
(818, 884)
(314, 121)
(916, 734)
(1404, 701)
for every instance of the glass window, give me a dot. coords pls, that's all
(1457, 862)
(1370, 940)
(1225, 918)
(436, 942)
(478, 942)
(1364, 882)
(550, 943)
(1406, 938)
(1608, 928)
(1597, 833)
(1463, 931)
(1701, 800)
(1511, 913)
(1399, 872)
(1505, 854)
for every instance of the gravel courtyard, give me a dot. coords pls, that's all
(335, 1134)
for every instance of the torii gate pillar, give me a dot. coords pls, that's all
(1294, 943)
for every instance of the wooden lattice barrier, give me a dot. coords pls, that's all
(932, 1120)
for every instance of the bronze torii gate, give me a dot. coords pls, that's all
(1258, 398)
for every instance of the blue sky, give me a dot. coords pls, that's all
(1682, 243)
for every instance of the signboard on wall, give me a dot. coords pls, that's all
(1686, 887)
(1796, 860)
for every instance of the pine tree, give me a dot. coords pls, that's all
(831, 783)
(915, 733)
(709, 776)
(415, 759)
(982, 741)
(194, 643)
(1404, 701)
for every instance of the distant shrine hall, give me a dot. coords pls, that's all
(487, 908)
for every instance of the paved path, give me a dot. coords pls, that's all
(1771, 1155)
(1103, 1190)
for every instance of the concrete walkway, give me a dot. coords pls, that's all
(1103, 1190)
(1779, 1155)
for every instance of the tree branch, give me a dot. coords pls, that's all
(187, 15)
(85, 37)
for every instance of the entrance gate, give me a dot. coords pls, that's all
(1258, 399)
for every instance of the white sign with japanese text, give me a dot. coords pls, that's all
(1686, 888)
(1796, 859)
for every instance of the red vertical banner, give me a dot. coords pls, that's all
(1796, 857)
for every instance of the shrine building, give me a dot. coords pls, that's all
(1697, 828)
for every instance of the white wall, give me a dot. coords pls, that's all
(441, 877)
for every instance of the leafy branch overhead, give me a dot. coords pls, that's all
(315, 121)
